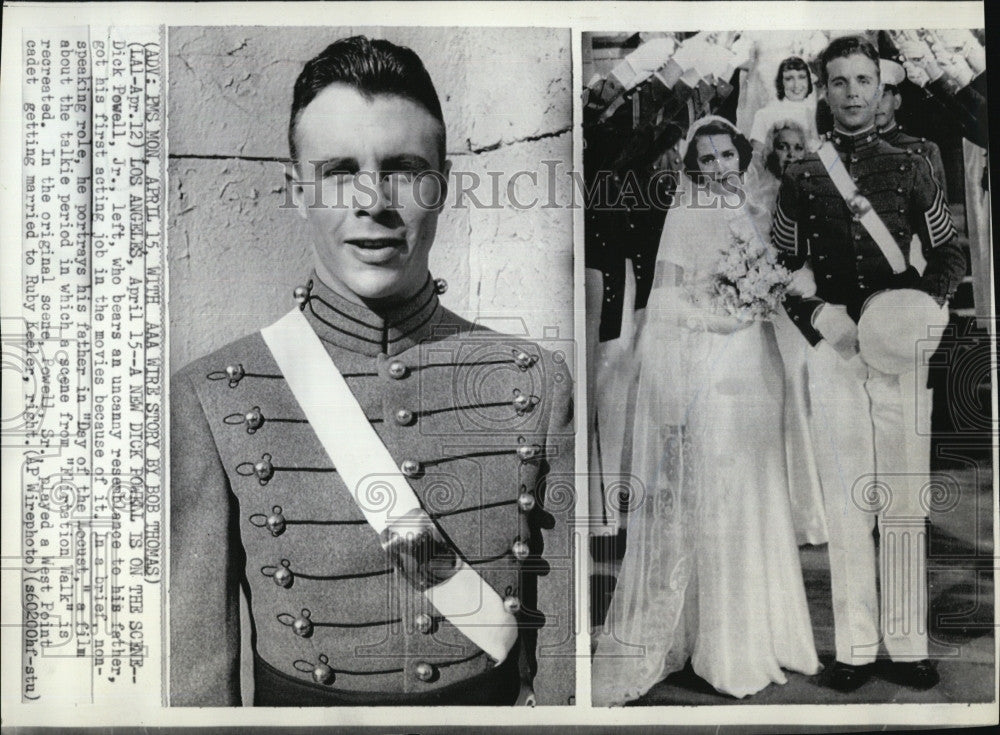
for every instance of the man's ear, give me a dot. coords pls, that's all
(897, 101)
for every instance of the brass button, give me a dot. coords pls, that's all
(424, 623)
(264, 469)
(301, 294)
(440, 285)
(410, 467)
(235, 373)
(322, 673)
(276, 522)
(523, 360)
(397, 370)
(528, 452)
(526, 502)
(520, 550)
(512, 605)
(404, 417)
(521, 402)
(424, 671)
(254, 419)
(283, 576)
(303, 627)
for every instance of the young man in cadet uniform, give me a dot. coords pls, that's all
(892, 75)
(849, 213)
(388, 483)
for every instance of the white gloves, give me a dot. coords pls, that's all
(975, 54)
(837, 328)
(916, 74)
(918, 56)
(803, 283)
(957, 68)
(926, 63)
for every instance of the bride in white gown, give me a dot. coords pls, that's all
(711, 570)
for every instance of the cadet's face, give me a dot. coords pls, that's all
(717, 156)
(796, 84)
(885, 113)
(374, 163)
(852, 89)
(789, 146)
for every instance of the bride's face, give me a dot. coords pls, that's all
(718, 158)
(788, 146)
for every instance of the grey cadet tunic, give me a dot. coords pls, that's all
(484, 423)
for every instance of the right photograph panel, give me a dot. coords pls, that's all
(788, 277)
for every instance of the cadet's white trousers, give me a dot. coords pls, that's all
(872, 442)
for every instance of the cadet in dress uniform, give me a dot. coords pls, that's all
(893, 75)
(861, 425)
(479, 424)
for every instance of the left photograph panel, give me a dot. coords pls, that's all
(372, 358)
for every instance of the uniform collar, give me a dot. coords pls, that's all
(850, 142)
(891, 133)
(367, 331)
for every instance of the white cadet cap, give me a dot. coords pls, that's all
(898, 328)
(891, 72)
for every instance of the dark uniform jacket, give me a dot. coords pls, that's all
(967, 106)
(899, 138)
(812, 221)
(484, 425)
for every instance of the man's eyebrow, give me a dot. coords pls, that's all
(344, 164)
(405, 162)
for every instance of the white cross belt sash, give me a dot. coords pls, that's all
(371, 476)
(861, 207)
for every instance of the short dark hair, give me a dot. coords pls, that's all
(847, 46)
(371, 67)
(742, 145)
(792, 63)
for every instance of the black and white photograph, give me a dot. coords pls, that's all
(371, 411)
(514, 364)
(789, 294)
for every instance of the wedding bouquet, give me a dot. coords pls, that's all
(748, 282)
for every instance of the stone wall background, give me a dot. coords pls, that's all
(235, 254)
